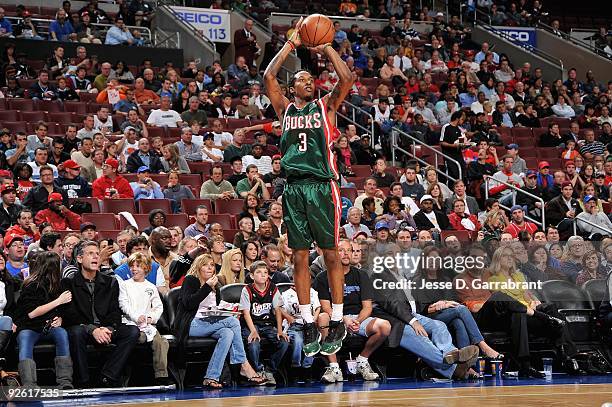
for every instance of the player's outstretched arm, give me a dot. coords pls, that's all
(334, 99)
(278, 99)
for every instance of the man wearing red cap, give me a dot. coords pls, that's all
(110, 184)
(545, 180)
(71, 180)
(562, 207)
(15, 259)
(57, 215)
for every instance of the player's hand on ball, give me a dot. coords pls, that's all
(319, 48)
(295, 37)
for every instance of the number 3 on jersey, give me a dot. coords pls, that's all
(303, 142)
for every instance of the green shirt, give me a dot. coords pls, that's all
(244, 186)
(232, 151)
(306, 143)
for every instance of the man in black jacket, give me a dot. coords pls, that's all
(534, 207)
(94, 316)
(562, 209)
(37, 197)
(9, 210)
(144, 157)
(428, 219)
(426, 338)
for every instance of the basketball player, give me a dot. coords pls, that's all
(311, 199)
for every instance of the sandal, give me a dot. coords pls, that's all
(212, 384)
(255, 380)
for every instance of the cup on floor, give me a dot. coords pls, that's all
(547, 366)
(496, 368)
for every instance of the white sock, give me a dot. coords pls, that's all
(360, 359)
(337, 312)
(334, 365)
(306, 312)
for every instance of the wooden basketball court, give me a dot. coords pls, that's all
(575, 395)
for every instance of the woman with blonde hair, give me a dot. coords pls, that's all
(494, 225)
(172, 161)
(286, 256)
(232, 267)
(546, 318)
(571, 261)
(198, 315)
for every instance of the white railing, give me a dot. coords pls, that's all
(488, 178)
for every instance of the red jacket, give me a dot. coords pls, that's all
(28, 237)
(102, 186)
(455, 222)
(59, 221)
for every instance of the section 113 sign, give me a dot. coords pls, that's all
(214, 24)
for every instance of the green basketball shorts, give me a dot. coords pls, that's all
(312, 212)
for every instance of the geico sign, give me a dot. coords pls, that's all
(521, 36)
(201, 18)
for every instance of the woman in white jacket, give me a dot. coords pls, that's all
(141, 305)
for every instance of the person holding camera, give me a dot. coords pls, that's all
(111, 184)
(38, 315)
(145, 187)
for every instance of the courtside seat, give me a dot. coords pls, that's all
(595, 291)
(573, 304)
(231, 292)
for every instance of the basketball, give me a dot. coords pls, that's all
(317, 29)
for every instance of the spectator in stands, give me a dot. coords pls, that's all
(508, 176)
(37, 198)
(246, 110)
(188, 149)
(65, 93)
(176, 192)
(194, 112)
(144, 157)
(57, 65)
(562, 109)
(354, 225)
(119, 34)
(171, 160)
(410, 187)
(591, 147)
(40, 139)
(209, 152)
(20, 152)
(593, 215)
(519, 166)
(429, 219)
(164, 116)
(80, 83)
(357, 315)
(452, 142)
(371, 191)
(470, 204)
(144, 95)
(217, 187)
(104, 324)
(256, 157)
(58, 215)
(100, 80)
(518, 223)
(9, 210)
(201, 286)
(71, 180)
(238, 148)
(86, 32)
(383, 178)
(145, 187)
(42, 89)
(245, 43)
(60, 29)
(40, 303)
(201, 225)
(252, 184)
(501, 117)
(111, 184)
(6, 29)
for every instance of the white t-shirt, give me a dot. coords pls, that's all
(128, 148)
(99, 125)
(291, 305)
(159, 118)
(263, 163)
(214, 151)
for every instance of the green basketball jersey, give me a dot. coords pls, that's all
(306, 143)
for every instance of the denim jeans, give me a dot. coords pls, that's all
(254, 348)
(432, 350)
(296, 338)
(6, 323)
(460, 320)
(226, 330)
(28, 338)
